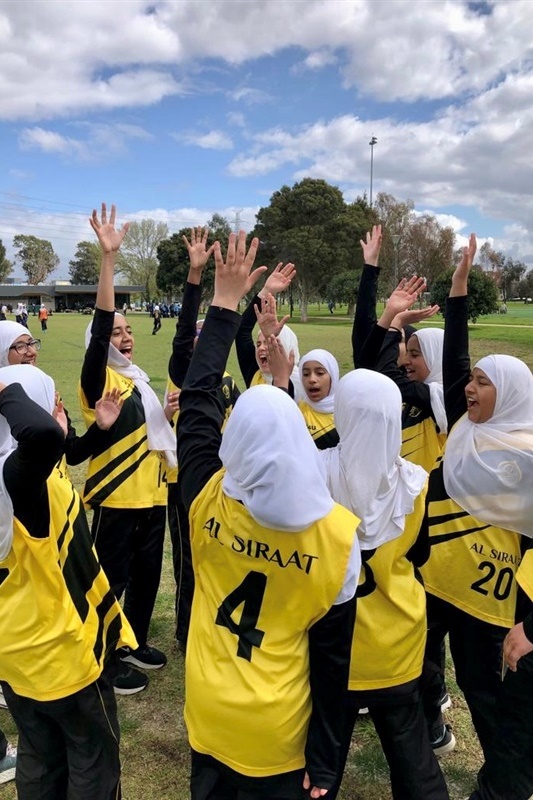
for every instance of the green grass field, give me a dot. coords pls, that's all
(154, 743)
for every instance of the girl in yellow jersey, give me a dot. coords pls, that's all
(274, 560)
(366, 474)
(60, 622)
(508, 773)
(126, 482)
(479, 501)
(319, 376)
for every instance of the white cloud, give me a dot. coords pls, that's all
(213, 140)
(102, 140)
(316, 60)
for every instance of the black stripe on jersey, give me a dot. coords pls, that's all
(110, 486)
(443, 518)
(447, 537)
(113, 635)
(80, 567)
(66, 526)
(328, 439)
(99, 476)
(102, 610)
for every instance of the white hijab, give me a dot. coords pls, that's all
(289, 340)
(9, 331)
(160, 434)
(431, 341)
(365, 472)
(271, 462)
(329, 362)
(488, 466)
(40, 388)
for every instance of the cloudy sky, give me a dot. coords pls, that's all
(175, 110)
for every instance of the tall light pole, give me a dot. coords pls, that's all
(372, 142)
(395, 241)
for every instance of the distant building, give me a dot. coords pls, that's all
(61, 295)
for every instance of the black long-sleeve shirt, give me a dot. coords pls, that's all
(40, 446)
(199, 437)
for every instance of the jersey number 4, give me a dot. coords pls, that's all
(250, 593)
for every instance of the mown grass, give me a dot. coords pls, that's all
(155, 752)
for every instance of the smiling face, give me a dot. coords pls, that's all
(480, 396)
(415, 365)
(316, 380)
(122, 337)
(261, 353)
(28, 354)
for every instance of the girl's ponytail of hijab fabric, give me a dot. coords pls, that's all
(161, 437)
(431, 342)
(488, 466)
(365, 472)
(329, 362)
(40, 388)
(9, 331)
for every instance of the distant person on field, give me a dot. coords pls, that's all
(157, 320)
(43, 317)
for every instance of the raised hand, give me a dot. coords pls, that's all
(173, 404)
(267, 317)
(108, 408)
(413, 315)
(405, 294)
(280, 364)
(279, 280)
(462, 270)
(109, 238)
(59, 414)
(372, 245)
(197, 248)
(233, 277)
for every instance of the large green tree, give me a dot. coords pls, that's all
(311, 225)
(137, 259)
(36, 257)
(173, 259)
(483, 294)
(84, 268)
(5, 264)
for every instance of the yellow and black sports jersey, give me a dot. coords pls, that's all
(126, 473)
(472, 564)
(320, 426)
(421, 443)
(258, 379)
(59, 616)
(257, 593)
(228, 390)
(390, 630)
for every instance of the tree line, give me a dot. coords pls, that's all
(311, 225)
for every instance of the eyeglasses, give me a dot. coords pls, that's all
(22, 347)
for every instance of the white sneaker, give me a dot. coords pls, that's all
(3, 703)
(8, 765)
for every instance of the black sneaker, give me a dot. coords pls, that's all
(129, 680)
(445, 742)
(145, 657)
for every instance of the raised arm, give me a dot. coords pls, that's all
(95, 361)
(278, 281)
(365, 308)
(201, 411)
(455, 355)
(183, 342)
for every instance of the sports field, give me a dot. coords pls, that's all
(154, 743)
